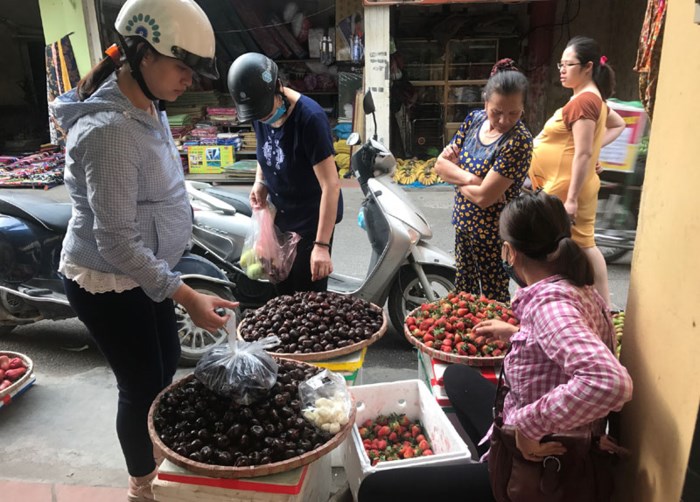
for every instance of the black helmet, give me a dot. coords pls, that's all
(252, 82)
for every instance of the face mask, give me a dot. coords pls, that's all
(510, 271)
(276, 116)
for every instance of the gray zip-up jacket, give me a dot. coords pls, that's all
(131, 214)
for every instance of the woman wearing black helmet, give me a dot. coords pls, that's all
(296, 165)
(131, 215)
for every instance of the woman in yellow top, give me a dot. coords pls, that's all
(566, 151)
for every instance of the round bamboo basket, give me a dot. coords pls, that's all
(27, 374)
(331, 354)
(450, 357)
(230, 472)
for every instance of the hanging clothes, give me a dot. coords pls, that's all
(61, 76)
(649, 52)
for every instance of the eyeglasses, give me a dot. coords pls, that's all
(566, 65)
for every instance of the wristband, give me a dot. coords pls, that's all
(322, 244)
(261, 182)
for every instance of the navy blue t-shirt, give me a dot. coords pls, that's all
(287, 155)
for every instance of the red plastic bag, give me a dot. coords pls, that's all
(268, 253)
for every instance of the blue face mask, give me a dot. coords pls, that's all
(276, 116)
(510, 271)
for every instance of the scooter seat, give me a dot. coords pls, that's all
(52, 215)
(238, 200)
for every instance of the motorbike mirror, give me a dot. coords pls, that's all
(353, 139)
(368, 103)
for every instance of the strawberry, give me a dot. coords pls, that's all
(513, 321)
(411, 321)
(393, 437)
(382, 420)
(497, 352)
(405, 422)
(462, 312)
(428, 338)
(408, 453)
(415, 430)
(423, 445)
(364, 432)
(471, 348)
(381, 445)
(427, 453)
(429, 344)
(384, 431)
(367, 423)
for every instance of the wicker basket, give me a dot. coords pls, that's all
(449, 357)
(230, 472)
(332, 354)
(23, 379)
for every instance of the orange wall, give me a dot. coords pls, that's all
(662, 325)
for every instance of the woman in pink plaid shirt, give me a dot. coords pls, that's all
(561, 371)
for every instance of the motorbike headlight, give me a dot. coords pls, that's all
(413, 235)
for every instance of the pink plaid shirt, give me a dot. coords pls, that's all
(561, 369)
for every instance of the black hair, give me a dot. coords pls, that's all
(587, 50)
(537, 225)
(505, 80)
(102, 70)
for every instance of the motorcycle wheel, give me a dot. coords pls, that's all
(407, 292)
(195, 341)
(622, 220)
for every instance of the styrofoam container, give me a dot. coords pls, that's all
(413, 398)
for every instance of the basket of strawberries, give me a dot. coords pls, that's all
(445, 329)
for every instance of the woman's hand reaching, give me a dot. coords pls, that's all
(202, 308)
(494, 328)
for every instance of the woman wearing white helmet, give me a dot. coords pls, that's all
(131, 215)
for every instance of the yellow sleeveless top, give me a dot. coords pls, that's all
(552, 157)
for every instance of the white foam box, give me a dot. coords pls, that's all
(413, 398)
(310, 483)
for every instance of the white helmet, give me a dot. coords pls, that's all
(174, 28)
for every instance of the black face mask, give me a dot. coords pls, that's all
(510, 271)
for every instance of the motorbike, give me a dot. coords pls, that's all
(404, 269)
(618, 212)
(32, 229)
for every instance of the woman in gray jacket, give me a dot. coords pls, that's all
(131, 215)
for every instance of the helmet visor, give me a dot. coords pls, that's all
(203, 66)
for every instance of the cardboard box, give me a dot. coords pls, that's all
(310, 483)
(414, 399)
(209, 159)
(349, 362)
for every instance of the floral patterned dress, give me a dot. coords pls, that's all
(477, 243)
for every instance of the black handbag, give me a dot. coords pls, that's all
(583, 474)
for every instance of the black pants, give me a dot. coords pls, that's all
(138, 337)
(472, 397)
(299, 278)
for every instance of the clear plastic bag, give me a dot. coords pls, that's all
(268, 253)
(239, 370)
(325, 401)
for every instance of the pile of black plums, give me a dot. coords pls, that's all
(308, 322)
(205, 427)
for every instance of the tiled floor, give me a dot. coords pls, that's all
(15, 491)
